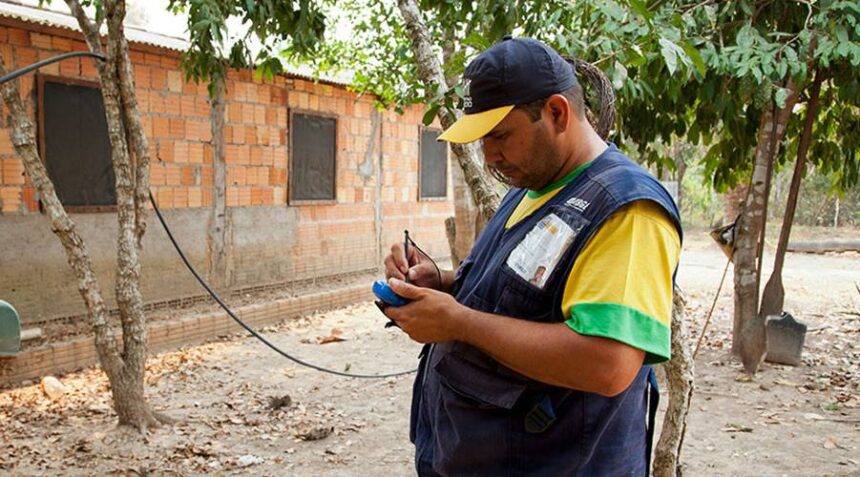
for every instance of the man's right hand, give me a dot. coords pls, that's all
(419, 269)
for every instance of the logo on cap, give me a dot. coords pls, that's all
(467, 96)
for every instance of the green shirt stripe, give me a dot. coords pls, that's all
(534, 194)
(625, 324)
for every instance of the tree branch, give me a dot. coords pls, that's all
(129, 299)
(89, 28)
(136, 137)
(430, 73)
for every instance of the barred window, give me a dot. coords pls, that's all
(433, 178)
(313, 141)
(74, 143)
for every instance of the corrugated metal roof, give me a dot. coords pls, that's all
(46, 17)
(52, 18)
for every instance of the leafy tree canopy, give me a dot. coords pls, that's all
(699, 70)
(265, 29)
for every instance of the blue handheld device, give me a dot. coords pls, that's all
(387, 295)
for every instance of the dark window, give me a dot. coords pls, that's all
(75, 144)
(434, 165)
(312, 167)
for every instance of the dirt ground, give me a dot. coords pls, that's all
(243, 410)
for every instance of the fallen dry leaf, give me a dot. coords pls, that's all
(333, 337)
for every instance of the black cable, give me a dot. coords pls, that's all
(248, 327)
(37, 65)
(438, 272)
(406, 241)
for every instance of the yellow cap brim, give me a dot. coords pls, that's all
(472, 127)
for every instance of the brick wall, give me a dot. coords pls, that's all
(268, 240)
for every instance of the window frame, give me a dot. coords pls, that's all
(441, 198)
(291, 200)
(41, 79)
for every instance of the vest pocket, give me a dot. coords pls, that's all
(481, 387)
(520, 299)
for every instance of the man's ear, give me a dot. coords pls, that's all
(559, 110)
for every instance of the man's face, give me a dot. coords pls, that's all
(522, 150)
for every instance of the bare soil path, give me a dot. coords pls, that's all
(244, 410)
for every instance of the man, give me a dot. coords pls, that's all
(542, 377)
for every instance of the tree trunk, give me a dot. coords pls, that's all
(734, 202)
(464, 228)
(680, 172)
(451, 235)
(836, 212)
(431, 74)
(466, 224)
(680, 376)
(127, 388)
(217, 237)
(749, 337)
(773, 296)
(24, 140)
(130, 158)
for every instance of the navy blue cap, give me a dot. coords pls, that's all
(515, 71)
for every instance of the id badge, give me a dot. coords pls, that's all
(535, 258)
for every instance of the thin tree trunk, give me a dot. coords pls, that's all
(136, 139)
(465, 224)
(431, 74)
(451, 235)
(749, 339)
(836, 212)
(129, 402)
(449, 47)
(464, 227)
(132, 187)
(773, 296)
(680, 172)
(24, 140)
(680, 375)
(734, 202)
(218, 220)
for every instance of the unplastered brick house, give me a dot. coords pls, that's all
(319, 183)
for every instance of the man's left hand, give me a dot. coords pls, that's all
(430, 317)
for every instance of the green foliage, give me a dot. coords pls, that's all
(376, 53)
(379, 55)
(751, 52)
(700, 71)
(270, 28)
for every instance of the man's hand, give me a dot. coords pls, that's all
(417, 267)
(430, 317)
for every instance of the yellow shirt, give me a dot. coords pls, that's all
(620, 286)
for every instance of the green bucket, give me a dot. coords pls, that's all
(10, 330)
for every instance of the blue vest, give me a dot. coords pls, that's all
(473, 416)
